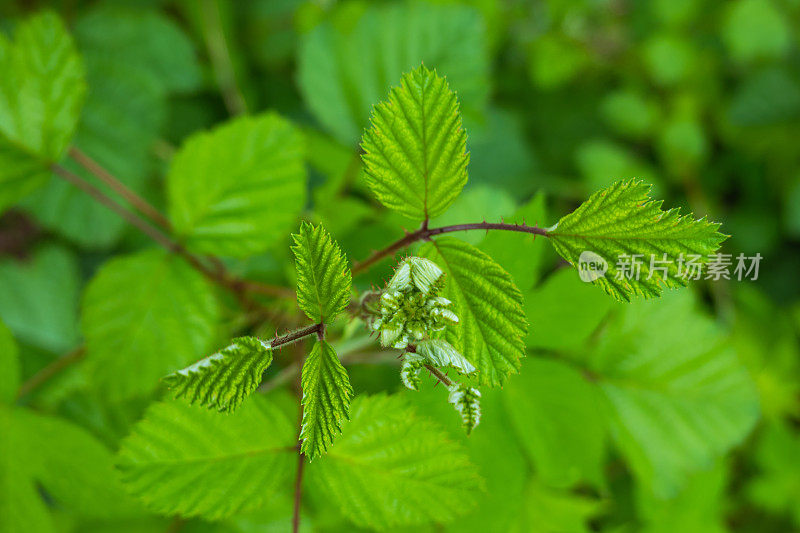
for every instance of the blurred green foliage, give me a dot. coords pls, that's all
(681, 413)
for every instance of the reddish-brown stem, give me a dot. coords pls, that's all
(221, 276)
(425, 233)
(120, 188)
(438, 374)
(296, 335)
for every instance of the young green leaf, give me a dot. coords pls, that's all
(492, 325)
(391, 467)
(194, 462)
(323, 277)
(410, 369)
(441, 353)
(326, 399)
(622, 222)
(144, 316)
(237, 189)
(41, 92)
(415, 152)
(9, 366)
(467, 401)
(224, 379)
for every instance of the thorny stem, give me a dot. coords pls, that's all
(296, 335)
(425, 233)
(441, 376)
(438, 374)
(120, 188)
(221, 276)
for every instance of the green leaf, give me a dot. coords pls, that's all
(144, 316)
(755, 29)
(194, 462)
(391, 468)
(441, 353)
(323, 277)
(776, 487)
(623, 220)
(39, 299)
(700, 506)
(467, 402)
(145, 40)
(677, 396)
(225, 379)
(120, 123)
(492, 325)
(326, 399)
(493, 449)
(76, 470)
(238, 189)
(9, 366)
(564, 327)
(389, 40)
(565, 448)
(415, 156)
(41, 92)
(547, 510)
(21, 507)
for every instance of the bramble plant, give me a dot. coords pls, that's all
(225, 439)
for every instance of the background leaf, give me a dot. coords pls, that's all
(41, 93)
(144, 40)
(326, 399)
(39, 298)
(195, 462)
(388, 40)
(134, 59)
(75, 468)
(677, 396)
(9, 366)
(415, 155)
(567, 448)
(145, 315)
(491, 325)
(323, 277)
(21, 507)
(237, 189)
(381, 474)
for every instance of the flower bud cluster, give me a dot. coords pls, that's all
(410, 308)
